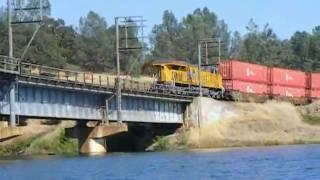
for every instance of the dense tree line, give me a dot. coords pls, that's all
(174, 39)
(301, 51)
(91, 45)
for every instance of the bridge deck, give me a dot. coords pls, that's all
(49, 76)
(64, 94)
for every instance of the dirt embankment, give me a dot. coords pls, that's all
(40, 137)
(251, 124)
(224, 124)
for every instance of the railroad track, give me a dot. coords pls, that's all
(49, 76)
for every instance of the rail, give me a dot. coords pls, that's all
(82, 78)
(78, 77)
(9, 65)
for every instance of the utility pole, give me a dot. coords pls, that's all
(131, 43)
(207, 43)
(200, 85)
(143, 58)
(10, 30)
(219, 41)
(37, 21)
(118, 81)
(214, 44)
(13, 86)
(207, 61)
(199, 67)
(12, 95)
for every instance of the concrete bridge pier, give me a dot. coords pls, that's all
(93, 140)
(12, 102)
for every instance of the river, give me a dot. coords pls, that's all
(279, 162)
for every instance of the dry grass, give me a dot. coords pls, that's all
(268, 123)
(311, 113)
(40, 138)
(271, 123)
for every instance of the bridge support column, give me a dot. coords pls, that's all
(93, 140)
(12, 102)
(92, 145)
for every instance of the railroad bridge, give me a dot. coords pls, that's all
(35, 91)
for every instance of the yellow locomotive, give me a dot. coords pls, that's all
(180, 77)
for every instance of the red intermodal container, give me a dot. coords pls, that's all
(315, 93)
(287, 77)
(315, 81)
(246, 87)
(242, 71)
(286, 91)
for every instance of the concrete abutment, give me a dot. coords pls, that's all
(93, 140)
(205, 110)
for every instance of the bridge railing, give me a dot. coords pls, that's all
(132, 85)
(9, 65)
(61, 75)
(70, 77)
(81, 77)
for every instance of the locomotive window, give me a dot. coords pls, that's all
(211, 69)
(181, 68)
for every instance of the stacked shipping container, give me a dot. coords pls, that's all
(314, 84)
(288, 83)
(276, 82)
(244, 77)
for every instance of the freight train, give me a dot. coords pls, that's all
(237, 80)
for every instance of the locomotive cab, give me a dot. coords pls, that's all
(169, 72)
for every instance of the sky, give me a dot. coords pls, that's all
(284, 16)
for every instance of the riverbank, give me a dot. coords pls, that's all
(40, 139)
(271, 123)
(247, 124)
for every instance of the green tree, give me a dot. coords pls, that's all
(315, 48)
(300, 43)
(165, 38)
(202, 24)
(263, 46)
(236, 46)
(94, 47)
(178, 40)
(51, 46)
(3, 32)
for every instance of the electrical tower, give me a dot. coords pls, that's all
(20, 14)
(16, 16)
(129, 38)
(205, 45)
(214, 45)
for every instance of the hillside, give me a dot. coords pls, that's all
(251, 124)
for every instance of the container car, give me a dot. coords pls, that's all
(315, 81)
(288, 77)
(286, 91)
(242, 78)
(242, 71)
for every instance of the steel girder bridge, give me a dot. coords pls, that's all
(29, 90)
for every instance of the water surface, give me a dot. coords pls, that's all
(283, 162)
